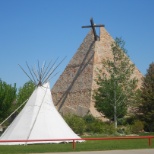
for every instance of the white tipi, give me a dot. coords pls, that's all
(38, 120)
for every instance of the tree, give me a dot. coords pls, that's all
(25, 92)
(116, 87)
(147, 99)
(7, 97)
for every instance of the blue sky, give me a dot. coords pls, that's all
(32, 30)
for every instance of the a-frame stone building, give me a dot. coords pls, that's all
(73, 91)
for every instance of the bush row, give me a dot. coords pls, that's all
(91, 125)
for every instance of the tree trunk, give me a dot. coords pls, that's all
(115, 104)
(115, 116)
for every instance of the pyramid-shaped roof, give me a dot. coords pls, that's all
(74, 89)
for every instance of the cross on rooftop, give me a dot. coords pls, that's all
(93, 27)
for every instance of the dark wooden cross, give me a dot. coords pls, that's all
(93, 27)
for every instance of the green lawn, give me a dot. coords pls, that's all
(86, 146)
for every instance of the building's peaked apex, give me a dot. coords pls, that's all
(93, 26)
(103, 46)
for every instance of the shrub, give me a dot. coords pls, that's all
(137, 126)
(88, 124)
(124, 130)
(76, 123)
(94, 125)
(89, 118)
(128, 120)
(149, 126)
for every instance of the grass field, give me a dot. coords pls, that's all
(86, 146)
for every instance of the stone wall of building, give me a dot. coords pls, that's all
(73, 91)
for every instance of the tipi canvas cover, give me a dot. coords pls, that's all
(38, 120)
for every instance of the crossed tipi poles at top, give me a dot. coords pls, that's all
(93, 28)
(40, 75)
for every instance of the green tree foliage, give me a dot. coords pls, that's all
(7, 97)
(116, 87)
(105, 99)
(147, 99)
(25, 92)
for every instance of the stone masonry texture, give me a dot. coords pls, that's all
(73, 91)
